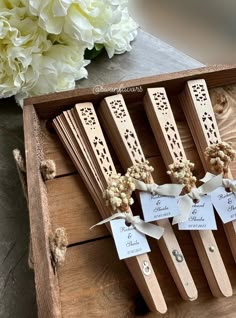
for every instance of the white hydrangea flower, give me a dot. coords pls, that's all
(20, 39)
(32, 62)
(121, 34)
(42, 43)
(84, 20)
(55, 71)
(90, 21)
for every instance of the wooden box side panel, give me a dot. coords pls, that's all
(80, 271)
(45, 279)
(74, 276)
(48, 106)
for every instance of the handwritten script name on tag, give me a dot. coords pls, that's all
(201, 217)
(157, 207)
(225, 204)
(129, 242)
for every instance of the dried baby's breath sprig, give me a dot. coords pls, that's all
(219, 156)
(182, 172)
(118, 193)
(140, 171)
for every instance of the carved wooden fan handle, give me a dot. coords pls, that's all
(196, 103)
(119, 127)
(93, 131)
(204, 126)
(197, 106)
(127, 146)
(166, 133)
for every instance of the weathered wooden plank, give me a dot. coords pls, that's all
(71, 207)
(94, 283)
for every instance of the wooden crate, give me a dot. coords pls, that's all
(93, 282)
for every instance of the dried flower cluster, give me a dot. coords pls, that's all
(48, 169)
(220, 155)
(220, 100)
(182, 172)
(58, 245)
(140, 171)
(118, 194)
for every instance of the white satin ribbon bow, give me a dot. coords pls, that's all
(186, 201)
(171, 190)
(226, 183)
(230, 184)
(149, 229)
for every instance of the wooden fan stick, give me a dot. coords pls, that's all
(168, 139)
(119, 127)
(90, 124)
(135, 265)
(196, 104)
(62, 127)
(70, 126)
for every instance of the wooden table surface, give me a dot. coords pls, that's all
(149, 56)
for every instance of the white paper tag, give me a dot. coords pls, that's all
(201, 217)
(129, 242)
(157, 207)
(225, 204)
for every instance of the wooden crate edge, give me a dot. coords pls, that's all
(45, 99)
(46, 283)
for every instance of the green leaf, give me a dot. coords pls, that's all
(92, 54)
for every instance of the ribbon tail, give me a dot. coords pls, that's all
(228, 183)
(211, 184)
(185, 204)
(208, 176)
(139, 185)
(110, 218)
(172, 189)
(149, 229)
